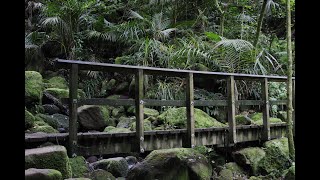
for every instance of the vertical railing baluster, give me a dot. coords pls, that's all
(139, 110)
(73, 105)
(190, 139)
(265, 109)
(293, 105)
(231, 110)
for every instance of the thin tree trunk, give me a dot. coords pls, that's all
(289, 86)
(221, 16)
(260, 20)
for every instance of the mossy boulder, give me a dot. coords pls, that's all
(249, 159)
(282, 115)
(118, 130)
(91, 117)
(146, 126)
(290, 174)
(118, 112)
(255, 178)
(29, 120)
(275, 161)
(172, 164)
(50, 109)
(63, 93)
(150, 112)
(108, 128)
(231, 171)
(56, 82)
(33, 87)
(117, 166)
(56, 120)
(242, 120)
(255, 116)
(78, 166)
(281, 143)
(43, 128)
(42, 174)
(271, 119)
(177, 117)
(125, 122)
(101, 174)
(107, 85)
(50, 157)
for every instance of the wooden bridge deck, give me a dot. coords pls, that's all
(140, 140)
(104, 143)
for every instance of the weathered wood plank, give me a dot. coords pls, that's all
(139, 110)
(153, 102)
(103, 101)
(190, 141)
(231, 110)
(278, 102)
(210, 103)
(73, 93)
(265, 109)
(248, 102)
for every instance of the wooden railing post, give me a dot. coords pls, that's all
(190, 139)
(231, 110)
(73, 105)
(294, 105)
(265, 109)
(139, 111)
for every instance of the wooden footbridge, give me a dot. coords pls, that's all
(140, 141)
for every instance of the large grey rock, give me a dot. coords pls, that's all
(91, 118)
(118, 166)
(125, 122)
(42, 174)
(51, 109)
(172, 164)
(50, 157)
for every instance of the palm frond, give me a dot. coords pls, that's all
(237, 44)
(134, 15)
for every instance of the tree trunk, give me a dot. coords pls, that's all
(221, 16)
(289, 86)
(260, 20)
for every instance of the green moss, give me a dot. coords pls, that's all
(106, 116)
(114, 97)
(249, 158)
(271, 119)
(43, 174)
(275, 161)
(150, 112)
(63, 93)
(43, 128)
(78, 166)
(256, 116)
(29, 120)
(290, 174)
(33, 87)
(119, 130)
(100, 174)
(255, 178)
(146, 126)
(56, 82)
(48, 119)
(242, 120)
(177, 117)
(282, 115)
(118, 166)
(50, 157)
(281, 143)
(41, 123)
(108, 128)
(231, 171)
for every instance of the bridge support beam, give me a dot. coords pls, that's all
(139, 146)
(265, 110)
(190, 139)
(231, 110)
(73, 105)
